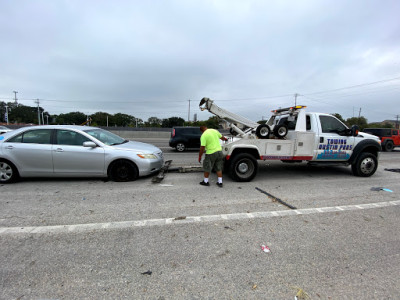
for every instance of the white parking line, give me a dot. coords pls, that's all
(188, 220)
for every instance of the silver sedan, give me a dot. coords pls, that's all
(74, 151)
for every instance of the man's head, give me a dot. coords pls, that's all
(203, 128)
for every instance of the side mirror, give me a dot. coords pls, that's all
(355, 130)
(89, 144)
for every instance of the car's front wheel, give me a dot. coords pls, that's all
(365, 165)
(180, 147)
(8, 172)
(123, 170)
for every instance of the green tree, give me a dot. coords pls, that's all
(212, 122)
(339, 116)
(172, 122)
(23, 114)
(100, 119)
(361, 122)
(123, 120)
(154, 122)
(76, 118)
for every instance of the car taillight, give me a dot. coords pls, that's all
(173, 132)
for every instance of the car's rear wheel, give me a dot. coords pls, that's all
(123, 170)
(389, 146)
(180, 147)
(8, 172)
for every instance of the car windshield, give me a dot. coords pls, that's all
(106, 137)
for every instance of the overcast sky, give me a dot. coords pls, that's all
(148, 58)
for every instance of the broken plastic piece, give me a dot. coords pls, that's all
(265, 248)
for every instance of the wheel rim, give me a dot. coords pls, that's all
(264, 131)
(180, 147)
(367, 165)
(6, 172)
(245, 168)
(282, 131)
(389, 146)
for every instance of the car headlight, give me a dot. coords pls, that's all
(147, 156)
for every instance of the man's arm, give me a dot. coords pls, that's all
(223, 138)
(201, 152)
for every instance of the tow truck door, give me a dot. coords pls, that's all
(333, 140)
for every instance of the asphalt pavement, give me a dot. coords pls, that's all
(96, 239)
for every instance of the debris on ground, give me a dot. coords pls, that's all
(147, 273)
(164, 169)
(393, 170)
(180, 218)
(301, 294)
(275, 198)
(377, 189)
(265, 248)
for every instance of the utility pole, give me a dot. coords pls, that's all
(189, 112)
(295, 99)
(38, 109)
(15, 98)
(6, 115)
(359, 113)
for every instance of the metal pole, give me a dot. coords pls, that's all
(189, 112)
(15, 98)
(38, 110)
(7, 113)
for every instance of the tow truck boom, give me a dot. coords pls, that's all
(227, 116)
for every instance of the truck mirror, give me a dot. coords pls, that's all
(354, 130)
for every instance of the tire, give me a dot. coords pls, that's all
(365, 165)
(243, 167)
(263, 131)
(389, 146)
(281, 131)
(123, 170)
(8, 172)
(180, 147)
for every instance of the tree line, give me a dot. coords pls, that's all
(22, 114)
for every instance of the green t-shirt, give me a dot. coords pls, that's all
(210, 140)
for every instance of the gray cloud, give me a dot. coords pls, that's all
(147, 58)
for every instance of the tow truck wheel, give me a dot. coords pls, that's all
(389, 146)
(243, 167)
(365, 165)
(281, 131)
(263, 131)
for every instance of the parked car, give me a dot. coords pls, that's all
(74, 151)
(4, 129)
(390, 138)
(183, 138)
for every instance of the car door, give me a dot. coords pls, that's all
(194, 137)
(70, 157)
(31, 152)
(334, 142)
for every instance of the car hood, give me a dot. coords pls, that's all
(368, 136)
(137, 146)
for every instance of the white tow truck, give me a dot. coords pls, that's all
(294, 135)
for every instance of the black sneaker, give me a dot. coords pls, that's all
(205, 183)
(219, 184)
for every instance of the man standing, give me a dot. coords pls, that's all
(209, 141)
